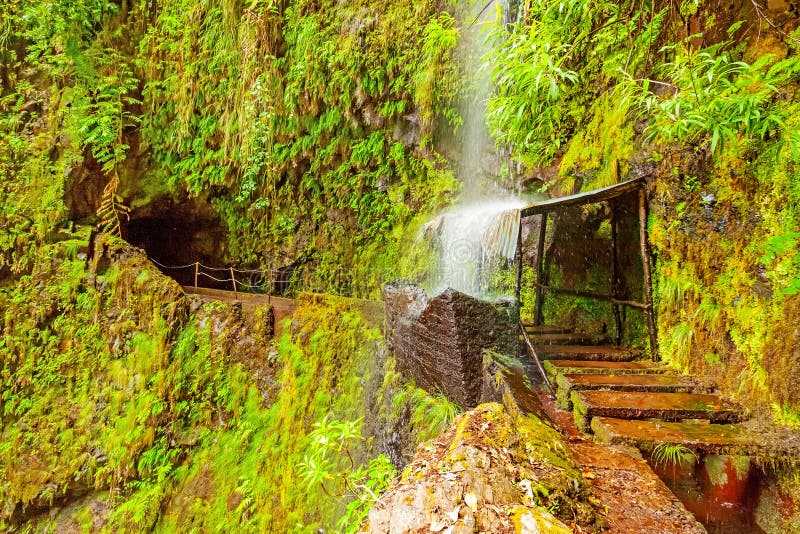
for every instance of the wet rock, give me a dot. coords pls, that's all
(778, 509)
(87, 513)
(440, 342)
(489, 472)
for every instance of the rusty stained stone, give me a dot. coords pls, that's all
(565, 339)
(653, 383)
(584, 352)
(439, 342)
(667, 406)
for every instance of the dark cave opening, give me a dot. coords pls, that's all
(178, 234)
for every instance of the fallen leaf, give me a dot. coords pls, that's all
(471, 500)
(438, 525)
(452, 515)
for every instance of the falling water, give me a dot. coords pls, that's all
(480, 236)
(477, 154)
(474, 240)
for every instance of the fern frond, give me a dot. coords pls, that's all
(111, 208)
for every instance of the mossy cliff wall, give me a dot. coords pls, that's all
(127, 405)
(318, 132)
(310, 128)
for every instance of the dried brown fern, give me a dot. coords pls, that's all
(112, 209)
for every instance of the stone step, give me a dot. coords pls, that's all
(634, 499)
(587, 352)
(651, 383)
(546, 329)
(708, 438)
(574, 367)
(567, 383)
(565, 339)
(638, 405)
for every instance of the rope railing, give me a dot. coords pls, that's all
(265, 281)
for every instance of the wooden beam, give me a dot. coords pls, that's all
(594, 295)
(648, 280)
(518, 261)
(590, 197)
(615, 279)
(532, 352)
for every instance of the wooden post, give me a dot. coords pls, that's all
(615, 281)
(233, 279)
(537, 318)
(648, 280)
(196, 272)
(518, 262)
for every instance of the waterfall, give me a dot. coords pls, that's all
(474, 240)
(478, 237)
(477, 147)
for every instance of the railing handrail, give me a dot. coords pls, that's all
(268, 279)
(532, 352)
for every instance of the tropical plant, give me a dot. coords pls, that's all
(709, 97)
(359, 485)
(111, 208)
(672, 454)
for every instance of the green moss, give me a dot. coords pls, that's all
(716, 467)
(603, 149)
(563, 392)
(532, 520)
(160, 408)
(579, 412)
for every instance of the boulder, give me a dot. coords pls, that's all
(439, 342)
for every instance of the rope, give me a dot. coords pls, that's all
(206, 267)
(169, 266)
(215, 278)
(295, 279)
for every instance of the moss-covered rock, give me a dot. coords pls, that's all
(488, 472)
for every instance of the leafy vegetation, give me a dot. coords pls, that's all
(319, 132)
(365, 483)
(672, 454)
(606, 92)
(309, 128)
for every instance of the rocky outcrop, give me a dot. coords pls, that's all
(489, 472)
(439, 342)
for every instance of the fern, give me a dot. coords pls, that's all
(672, 454)
(715, 101)
(112, 209)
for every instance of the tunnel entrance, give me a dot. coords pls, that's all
(178, 233)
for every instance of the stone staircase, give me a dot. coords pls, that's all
(623, 398)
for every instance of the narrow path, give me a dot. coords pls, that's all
(373, 311)
(632, 498)
(614, 404)
(282, 307)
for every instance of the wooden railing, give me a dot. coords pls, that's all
(535, 357)
(607, 194)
